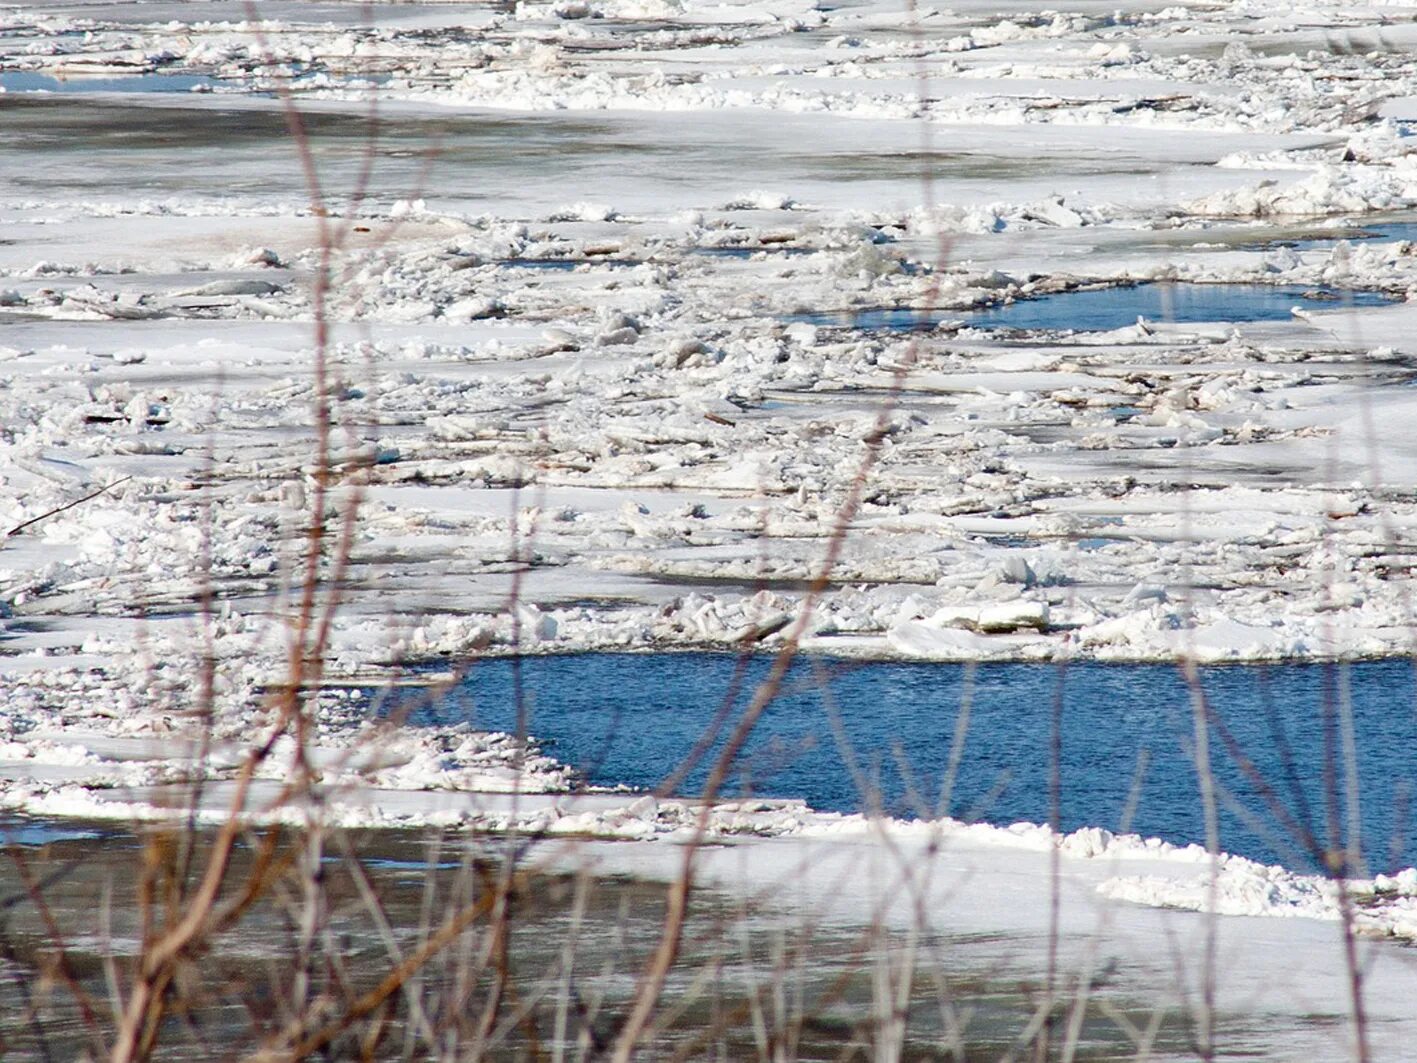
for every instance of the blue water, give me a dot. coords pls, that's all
(1109, 308)
(28, 81)
(1397, 230)
(1389, 231)
(542, 263)
(631, 719)
(1100, 309)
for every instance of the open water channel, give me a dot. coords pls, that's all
(1295, 748)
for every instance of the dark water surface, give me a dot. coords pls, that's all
(571, 938)
(1125, 729)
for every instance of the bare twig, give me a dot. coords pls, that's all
(18, 528)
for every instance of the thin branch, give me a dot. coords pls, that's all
(67, 506)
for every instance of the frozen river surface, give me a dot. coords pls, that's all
(1023, 333)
